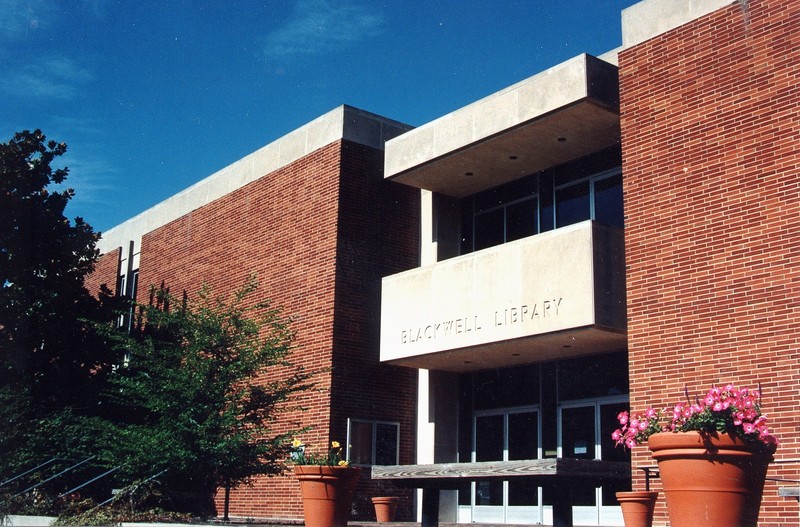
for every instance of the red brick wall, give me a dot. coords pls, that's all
(711, 152)
(105, 272)
(377, 236)
(319, 244)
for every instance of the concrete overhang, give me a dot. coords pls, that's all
(576, 342)
(561, 114)
(553, 295)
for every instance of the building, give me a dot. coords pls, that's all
(603, 234)
(312, 217)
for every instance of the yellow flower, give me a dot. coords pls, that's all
(297, 443)
(343, 463)
(335, 444)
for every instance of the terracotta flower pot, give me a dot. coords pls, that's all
(327, 493)
(709, 480)
(637, 507)
(385, 507)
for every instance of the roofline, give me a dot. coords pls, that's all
(344, 122)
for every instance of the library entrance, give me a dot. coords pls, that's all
(565, 409)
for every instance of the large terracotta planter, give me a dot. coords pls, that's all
(385, 507)
(327, 493)
(637, 507)
(709, 480)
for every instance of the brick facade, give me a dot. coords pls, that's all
(319, 234)
(105, 272)
(710, 130)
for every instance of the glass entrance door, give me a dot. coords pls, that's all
(585, 433)
(503, 435)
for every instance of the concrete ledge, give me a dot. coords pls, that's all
(509, 304)
(651, 18)
(560, 114)
(18, 520)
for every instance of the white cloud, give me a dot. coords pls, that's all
(93, 171)
(53, 77)
(94, 180)
(319, 26)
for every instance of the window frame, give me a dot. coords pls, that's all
(593, 180)
(373, 439)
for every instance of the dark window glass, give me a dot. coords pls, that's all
(521, 220)
(362, 451)
(593, 376)
(572, 204)
(360, 443)
(608, 201)
(489, 438)
(522, 492)
(506, 387)
(465, 493)
(385, 444)
(489, 447)
(523, 435)
(489, 492)
(559, 196)
(578, 438)
(489, 229)
(546, 217)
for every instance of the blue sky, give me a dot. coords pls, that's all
(152, 96)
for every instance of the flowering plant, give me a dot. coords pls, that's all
(331, 458)
(729, 409)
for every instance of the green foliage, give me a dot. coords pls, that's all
(52, 361)
(186, 402)
(175, 395)
(300, 455)
(47, 344)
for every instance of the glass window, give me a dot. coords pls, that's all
(506, 223)
(505, 387)
(572, 204)
(489, 438)
(489, 229)
(360, 443)
(373, 442)
(608, 201)
(588, 188)
(521, 220)
(386, 443)
(596, 376)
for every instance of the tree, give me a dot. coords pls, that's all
(44, 336)
(52, 361)
(204, 381)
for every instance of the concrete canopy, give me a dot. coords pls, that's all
(564, 113)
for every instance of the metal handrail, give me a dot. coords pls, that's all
(112, 498)
(104, 474)
(76, 465)
(34, 469)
